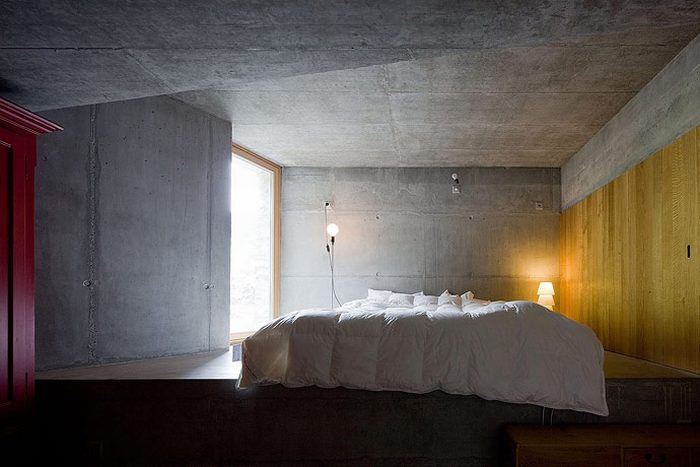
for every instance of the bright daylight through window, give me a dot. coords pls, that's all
(251, 246)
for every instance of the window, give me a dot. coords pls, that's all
(255, 235)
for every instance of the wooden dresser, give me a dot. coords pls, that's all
(603, 445)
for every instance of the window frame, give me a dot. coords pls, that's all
(276, 171)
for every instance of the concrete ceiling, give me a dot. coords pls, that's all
(336, 83)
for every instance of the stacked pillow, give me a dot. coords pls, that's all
(447, 298)
(476, 301)
(466, 296)
(420, 299)
(378, 295)
(401, 299)
(425, 300)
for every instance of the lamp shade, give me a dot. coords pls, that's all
(545, 288)
(332, 230)
(546, 300)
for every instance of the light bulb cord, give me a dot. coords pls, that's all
(331, 257)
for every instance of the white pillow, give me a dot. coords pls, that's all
(479, 301)
(447, 297)
(378, 295)
(417, 294)
(467, 296)
(401, 299)
(421, 300)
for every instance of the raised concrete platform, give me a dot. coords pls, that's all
(185, 410)
(218, 365)
(206, 365)
(208, 422)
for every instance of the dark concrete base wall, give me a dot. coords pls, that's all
(207, 423)
(403, 229)
(132, 220)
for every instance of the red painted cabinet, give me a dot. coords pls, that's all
(18, 131)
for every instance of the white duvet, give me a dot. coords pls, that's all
(515, 352)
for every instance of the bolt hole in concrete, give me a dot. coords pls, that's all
(251, 246)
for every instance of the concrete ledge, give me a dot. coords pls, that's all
(208, 422)
(667, 107)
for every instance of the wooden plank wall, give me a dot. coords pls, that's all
(625, 270)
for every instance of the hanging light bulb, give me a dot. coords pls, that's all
(332, 230)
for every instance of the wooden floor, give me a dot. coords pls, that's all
(219, 365)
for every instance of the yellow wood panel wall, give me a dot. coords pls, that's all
(625, 271)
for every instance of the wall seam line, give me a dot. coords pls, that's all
(93, 172)
(209, 226)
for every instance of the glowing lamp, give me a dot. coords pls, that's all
(545, 288)
(332, 230)
(546, 301)
(545, 294)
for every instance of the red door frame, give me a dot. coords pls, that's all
(5, 261)
(18, 131)
(21, 271)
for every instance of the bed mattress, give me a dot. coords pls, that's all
(517, 352)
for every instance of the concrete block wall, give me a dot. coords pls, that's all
(132, 220)
(403, 229)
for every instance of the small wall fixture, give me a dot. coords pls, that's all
(456, 189)
(546, 294)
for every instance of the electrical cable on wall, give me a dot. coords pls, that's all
(331, 231)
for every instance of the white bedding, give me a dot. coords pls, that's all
(515, 352)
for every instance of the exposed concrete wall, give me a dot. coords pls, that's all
(132, 197)
(403, 229)
(664, 109)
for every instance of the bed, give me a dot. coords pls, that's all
(516, 351)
